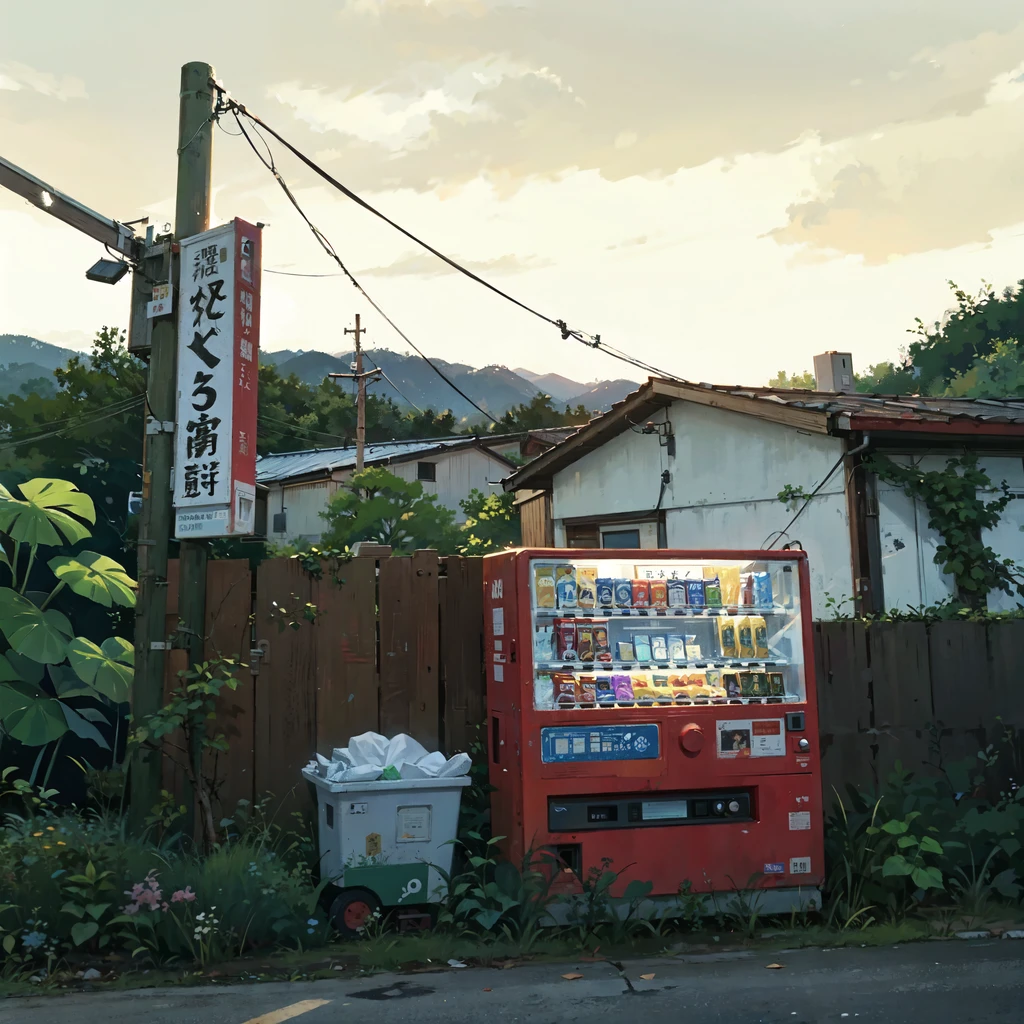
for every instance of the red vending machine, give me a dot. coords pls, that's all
(657, 708)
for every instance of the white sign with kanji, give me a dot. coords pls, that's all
(218, 349)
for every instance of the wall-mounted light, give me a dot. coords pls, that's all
(107, 271)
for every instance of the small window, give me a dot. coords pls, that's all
(620, 539)
(582, 536)
(426, 471)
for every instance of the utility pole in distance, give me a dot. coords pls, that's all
(361, 380)
(192, 215)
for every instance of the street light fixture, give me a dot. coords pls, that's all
(107, 271)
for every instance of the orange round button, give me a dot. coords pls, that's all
(691, 739)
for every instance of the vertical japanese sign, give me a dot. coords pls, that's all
(218, 358)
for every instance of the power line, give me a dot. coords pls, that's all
(7, 444)
(330, 250)
(50, 424)
(590, 340)
(295, 273)
(400, 391)
(779, 534)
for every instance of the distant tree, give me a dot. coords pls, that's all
(84, 430)
(538, 414)
(492, 523)
(378, 506)
(968, 337)
(795, 380)
(294, 416)
(886, 378)
(1000, 374)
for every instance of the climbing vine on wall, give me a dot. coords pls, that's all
(958, 512)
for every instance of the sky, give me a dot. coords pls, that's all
(721, 189)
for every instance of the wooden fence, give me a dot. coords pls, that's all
(397, 647)
(916, 694)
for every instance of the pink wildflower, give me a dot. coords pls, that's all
(185, 895)
(145, 894)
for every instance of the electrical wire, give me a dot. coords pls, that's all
(13, 434)
(330, 250)
(10, 444)
(281, 426)
(294, 273)
(779, 534)
(590, 340)
(399, 390)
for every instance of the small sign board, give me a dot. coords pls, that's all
(161, 304)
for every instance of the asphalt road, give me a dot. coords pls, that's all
(927, 983)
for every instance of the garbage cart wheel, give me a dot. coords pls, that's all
(351, 910)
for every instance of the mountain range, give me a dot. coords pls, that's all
(28, 364)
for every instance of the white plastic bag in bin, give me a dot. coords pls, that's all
(369, 754)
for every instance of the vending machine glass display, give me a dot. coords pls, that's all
(654, 707)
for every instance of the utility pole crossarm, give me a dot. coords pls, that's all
(110, 232)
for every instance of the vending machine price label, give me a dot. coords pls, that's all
(599, 743)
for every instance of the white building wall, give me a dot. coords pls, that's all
(910, 577)
(726, 476)
(457, 475)
(303, 504)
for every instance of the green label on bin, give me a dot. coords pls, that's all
(395, 884)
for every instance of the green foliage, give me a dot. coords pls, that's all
(86, 427)
(294, 416)
(938, 840)
(380, 507)
(792, 496)
(46, 667)
(888, 378)
(494, 896)
(538, 414)
(377, 506)
(973, 346)
(492, 523)
(959, 514)
(804, 380)
(1000, 374)
(178, 732)
(76, 881)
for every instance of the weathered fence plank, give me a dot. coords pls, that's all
(285, 687)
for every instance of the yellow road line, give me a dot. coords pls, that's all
(288, 1012)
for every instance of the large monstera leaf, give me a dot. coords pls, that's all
(47, 515)
(35, 717)
(28, 713)
(108, 669)
(96, 577)
(37, 634)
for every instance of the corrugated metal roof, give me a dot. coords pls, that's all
(826, 411)
(289, 465)
(896, 407)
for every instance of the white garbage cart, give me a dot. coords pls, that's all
(382, 842)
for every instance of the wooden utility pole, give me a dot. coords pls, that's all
(361, 381)
(192, 216)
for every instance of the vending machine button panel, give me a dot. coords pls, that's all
(599, 743)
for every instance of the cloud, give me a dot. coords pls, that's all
(574, 85)
(397, 118)
(629, 243)
(426, 265)
(15, 77)
(917, 187)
